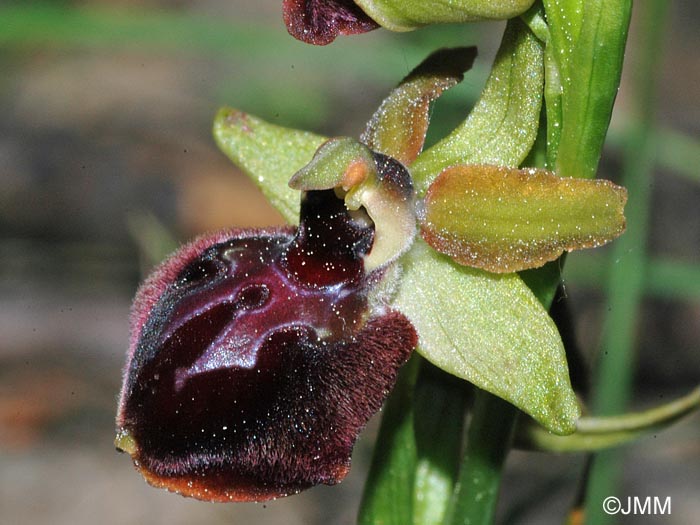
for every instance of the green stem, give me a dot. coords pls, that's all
(627, 275)
(488, 443)
(439, 406)
(597, 433)
(388, 494)
(417, 451)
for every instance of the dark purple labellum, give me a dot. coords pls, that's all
(320, 21)
(258, 356)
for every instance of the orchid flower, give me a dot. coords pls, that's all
(257, 356)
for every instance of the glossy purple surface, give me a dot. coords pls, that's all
(257, 366)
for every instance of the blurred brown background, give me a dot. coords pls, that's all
(106, 162)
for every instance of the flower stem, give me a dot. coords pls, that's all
(388, 494)
(627, 275)
(488, 442)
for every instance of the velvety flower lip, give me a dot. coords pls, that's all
(258, 356)
(321, 21)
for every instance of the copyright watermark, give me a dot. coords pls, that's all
(635, 505)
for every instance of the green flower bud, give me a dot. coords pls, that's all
(405, 15)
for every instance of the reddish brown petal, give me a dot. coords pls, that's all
(321, 21)
(399, 126)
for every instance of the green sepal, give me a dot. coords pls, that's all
(490, 330)
(405, 15)
(388, 491)
(502, 127)
(268, 154)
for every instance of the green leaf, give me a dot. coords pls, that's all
(399, 126)
(506, 220)
(597, 433)
(404, 15)
(268, 154)
(588, 44)
(490, 330)
(503, 125)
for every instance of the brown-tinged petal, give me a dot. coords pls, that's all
(506, 219)
(399, 126)
(321, 21)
